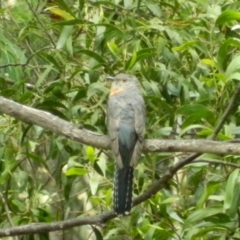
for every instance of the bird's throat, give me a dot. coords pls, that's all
(115, 91)
(118, 90)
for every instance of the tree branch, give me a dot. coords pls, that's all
(92, 220)
(217, 162)
(219, 126)
(89, 220)
(55, 226)
(227, 112)
(28, 60)
(59, 126)
(27, 85)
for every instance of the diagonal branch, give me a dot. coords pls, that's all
(227, 112)
(89, 220)
(56, 125)
(218, 128)
(93, 220)
(55, 226)
(28, 60)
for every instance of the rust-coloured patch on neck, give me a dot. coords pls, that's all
(115, 91)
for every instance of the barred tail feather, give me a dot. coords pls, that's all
(123, 187)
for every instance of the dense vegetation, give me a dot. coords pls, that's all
(55, 56)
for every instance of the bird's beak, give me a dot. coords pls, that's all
(109, 78)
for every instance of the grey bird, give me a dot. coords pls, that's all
(126, 127)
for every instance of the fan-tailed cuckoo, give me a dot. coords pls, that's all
(126, 126)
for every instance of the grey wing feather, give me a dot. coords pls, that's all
(140, 119)
(113, 119)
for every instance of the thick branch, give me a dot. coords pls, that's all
(56, 125)
(62, 127)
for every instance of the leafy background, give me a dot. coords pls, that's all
(186, 55)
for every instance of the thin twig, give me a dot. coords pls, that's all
(93, 220)
(227, 112)
(28, 60)
(88, 220)
(218, 128)
(6, 209)
(212, 161)
(102, 218)
(7, 212)
(36, 17)
(27, 85)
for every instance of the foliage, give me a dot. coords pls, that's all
(186, 55)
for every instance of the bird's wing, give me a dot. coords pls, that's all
(113, 119)
(140, 120)
(128, 133)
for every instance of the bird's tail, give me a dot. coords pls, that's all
(123, 187)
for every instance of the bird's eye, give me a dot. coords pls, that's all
(124, 80)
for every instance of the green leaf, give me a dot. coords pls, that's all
(228, 16)
(232, 211)
(112, 28)
(41, 214)
(69, 46)
(97, 233)
(82, 93)
(113, 48)
(154, 8)
(90, 151)
(185, 46)
(195, 113)
(201, 214)
(52, 109)
(106, 3)
(92, 54)
(52, 60)
(101, 163)
(70, 22)
(129, 65)
(96, 88)
(208, 190)
(68, 187)
(198, 233)
(193, 126)
(94, 179)
(233, 180)
(209, 62)
(233, 69)
(49, 104)
(43, 76)
(170, 200)
(223, 53)
(65, 34)
(76, 172)
(64, 6)
(145, 53)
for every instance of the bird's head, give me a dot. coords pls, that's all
(123, 82)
